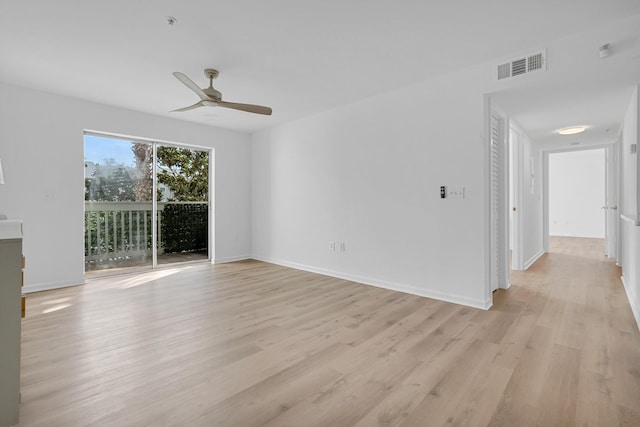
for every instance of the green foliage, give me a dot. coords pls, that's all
(183, 176)
(110, 182)
(117, 231)
(184, 227)
(184, 172)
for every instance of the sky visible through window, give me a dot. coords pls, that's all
(98, 148)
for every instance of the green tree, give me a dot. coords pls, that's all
(184, 172)
(109, 182)
(143, 183)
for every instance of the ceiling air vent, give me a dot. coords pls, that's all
(534, 62)
(522, 65)
(504, 71)
(519, 66)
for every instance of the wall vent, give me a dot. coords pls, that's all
(523, 65)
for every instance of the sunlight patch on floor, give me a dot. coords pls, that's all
(146, 278)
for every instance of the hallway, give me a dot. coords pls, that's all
(582, 360)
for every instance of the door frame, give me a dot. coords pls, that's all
(154, 142)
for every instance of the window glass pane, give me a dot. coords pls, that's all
(183, 208)
(118, 205)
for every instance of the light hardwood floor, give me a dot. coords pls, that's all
(249, 343)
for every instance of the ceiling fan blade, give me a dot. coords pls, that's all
(258, 109)
(191, 85)
(190, 107)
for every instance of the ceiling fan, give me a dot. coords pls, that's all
(209, 97)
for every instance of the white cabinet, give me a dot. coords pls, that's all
(10, 319)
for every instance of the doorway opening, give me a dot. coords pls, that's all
(577, 194)
(146, 203)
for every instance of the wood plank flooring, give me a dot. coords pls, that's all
(253, 344)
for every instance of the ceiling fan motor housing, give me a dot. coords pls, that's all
(212, 93)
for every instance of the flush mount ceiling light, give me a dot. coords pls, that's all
(572, 130)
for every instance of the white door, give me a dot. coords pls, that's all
(499, 194)
(611, 202)
(514, 204)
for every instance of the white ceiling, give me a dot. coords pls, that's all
(302, 57)
(579, 87)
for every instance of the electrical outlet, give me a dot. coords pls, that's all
(343, 247)
(332, 246)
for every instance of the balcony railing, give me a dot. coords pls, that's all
(123, 230)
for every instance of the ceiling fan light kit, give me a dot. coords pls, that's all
(210, 97)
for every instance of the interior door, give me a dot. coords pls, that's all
(611, 202)
(515, 204)
(499, 196)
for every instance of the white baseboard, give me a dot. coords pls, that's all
(231, 259)
(633, 301)
(533, 259)
(456, 299)
(38, 287)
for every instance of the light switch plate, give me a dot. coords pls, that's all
(455, 192)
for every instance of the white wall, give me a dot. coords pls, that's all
(577, 193)
(41, 146)
(630, 207)
(368, 174)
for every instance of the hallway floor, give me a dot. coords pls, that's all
(581, 364)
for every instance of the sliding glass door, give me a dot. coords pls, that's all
(183, 204)
(121, 177)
